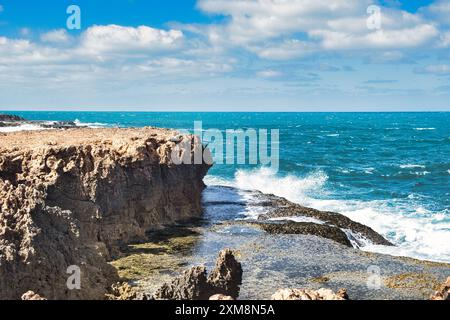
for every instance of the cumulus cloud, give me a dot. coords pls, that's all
(56, 36)
(292, 43)
(284, 29)
(115, 38)
(438, 10)
(103, 53)
(380, 39)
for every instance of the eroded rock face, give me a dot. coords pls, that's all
(194, 284)
(122, 291)
(226, 277)
(73, 197)
(306, 294)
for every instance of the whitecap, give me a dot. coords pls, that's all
(291, 187)
(78, 123)
(298, 219)
(22, 127)
(421, 173)
(424, 129)
(415, 231)
(411, 166)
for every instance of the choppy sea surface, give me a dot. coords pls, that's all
(390, 171)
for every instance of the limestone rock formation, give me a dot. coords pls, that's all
(73, 197)
(194, 284)
(306, 294)
(443, 293)
(226, 277)
(30, 295)
(122, 291)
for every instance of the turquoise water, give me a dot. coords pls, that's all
(390, 171)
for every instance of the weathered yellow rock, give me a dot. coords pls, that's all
(87, 189)
(443, 293)
(307, 294)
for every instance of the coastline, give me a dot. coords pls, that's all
(274, 261)
(71, 198)
(54, 156)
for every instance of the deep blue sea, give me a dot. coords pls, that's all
(390, 171)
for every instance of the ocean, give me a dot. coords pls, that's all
(390, 171)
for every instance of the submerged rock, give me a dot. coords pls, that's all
(306, 294)
(282, 208)
(443, 293)
(321, 230)
(194, 284)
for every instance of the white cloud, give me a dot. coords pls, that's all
(269, 74)
(115, 38)
(1, 8)
(388, 57)
(439, 10)
(258, 20)
(445, 39)
(56, 36)
(107, 59)
(104, 53)
(20, 51)
(383, 39)
(288, 49)
(439, 69)
(280, 28)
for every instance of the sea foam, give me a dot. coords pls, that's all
(415, 231)
(22, 127)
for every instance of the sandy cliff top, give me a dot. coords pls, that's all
(82, 136)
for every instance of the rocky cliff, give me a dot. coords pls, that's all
(72, 198)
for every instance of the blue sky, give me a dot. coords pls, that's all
(294, 55)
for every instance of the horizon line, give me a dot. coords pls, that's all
(224, 111)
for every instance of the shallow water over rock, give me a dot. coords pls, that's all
(273, 261)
